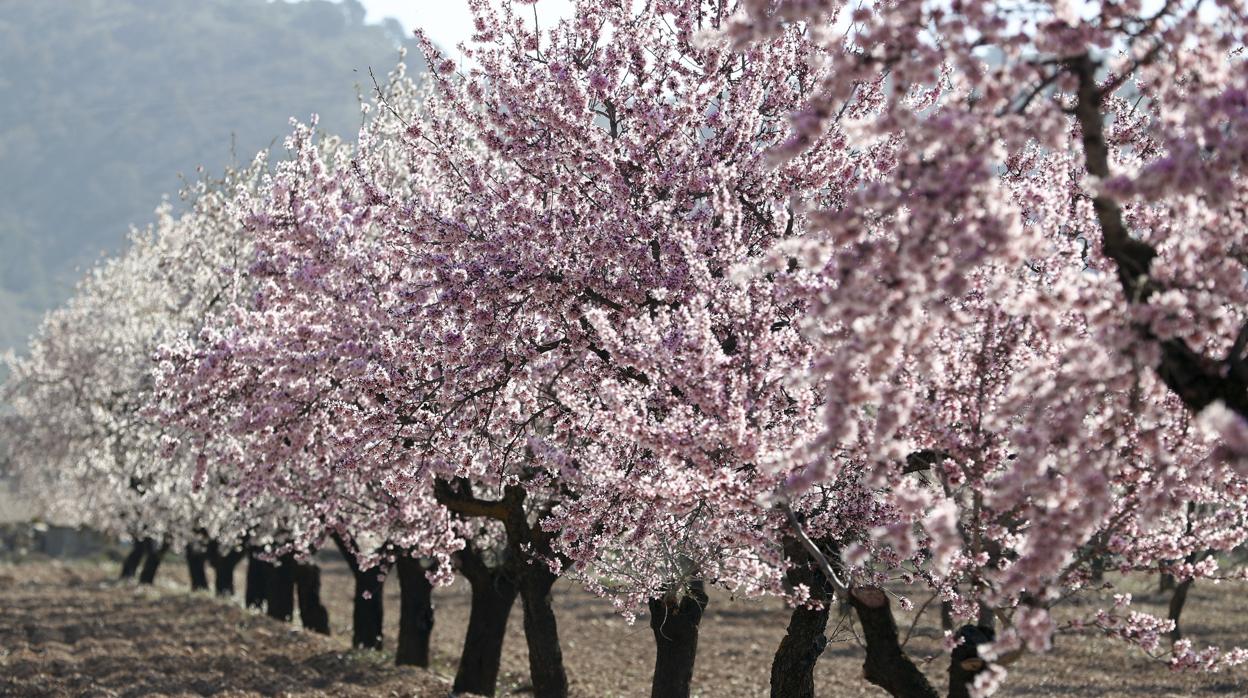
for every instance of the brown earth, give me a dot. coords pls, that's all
(67, 629)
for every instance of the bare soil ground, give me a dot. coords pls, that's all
(67, 629)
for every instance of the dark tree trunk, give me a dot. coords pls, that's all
(964, 661)
(541, 632)
(155, 554)
(987, 618)
(280, 595)
(493, 595)
(415, 613)
(887, 665)
(1177, 601)
(1166, 583)
(1098, 568)
(196, 560)
(131, 564)
(256, 591)
(675, 623)
(366, 612)
(946, 615)
(793, 668)
(312, 612)
(529, 548)
(223, 567)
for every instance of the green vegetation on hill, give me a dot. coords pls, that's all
(104, 102)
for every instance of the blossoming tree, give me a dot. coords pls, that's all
(790, 297)
(1007, 134)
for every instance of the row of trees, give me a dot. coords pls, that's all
(789, 298)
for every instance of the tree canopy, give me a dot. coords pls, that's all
(800, 299)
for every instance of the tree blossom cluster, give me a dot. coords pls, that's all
(82, 445)
(687, 293)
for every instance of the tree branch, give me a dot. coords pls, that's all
(468, 505)
(1197, 380)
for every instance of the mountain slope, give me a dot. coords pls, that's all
(104, 102)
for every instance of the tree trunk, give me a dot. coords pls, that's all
(1098, 568)
(152, 563)
(675, 623)
(793, 668)
(223, 567)
(312, 612)
(1166, 583)
(493, 595)
(131, 564)
(987, 617)
(887, 665)
(946, 615)
(415, 613)
(1177, 601)
(366, 612)
(964, 661)
(280, 595)
(541, 633)
(195, 561)
(529, 548)
(256, 592)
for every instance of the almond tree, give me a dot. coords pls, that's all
(272, 387)
(84, 447)
(1005, 133)
(582, 349)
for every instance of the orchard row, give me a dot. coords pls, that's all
(812, 299)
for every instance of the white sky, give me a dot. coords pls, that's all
(448, 21)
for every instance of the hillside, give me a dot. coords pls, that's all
(104, 102)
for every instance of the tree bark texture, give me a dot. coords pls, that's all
(367, 609)
(223, 564)
(155, 553)
(1177, 601)
(529, 547)
(793, 667)
(280, 596)
(493, 594)
(130, 565)
(887, 665)
(675, 623)
(196, 561)
(964, 662)
(415, 613)
(256, 591)
(541, 633)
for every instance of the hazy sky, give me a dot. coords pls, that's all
(447, 21)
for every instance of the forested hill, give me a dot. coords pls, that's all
(104, 102)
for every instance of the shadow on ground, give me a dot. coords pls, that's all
(75, 633)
